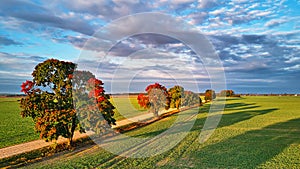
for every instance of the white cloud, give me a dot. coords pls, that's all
(218, 11)
(207, 3)
(179, 2)
(292, 60)
(18, 65)
(250, 37)
(293, 68)
(276, 22)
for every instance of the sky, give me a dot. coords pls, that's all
(249, 46)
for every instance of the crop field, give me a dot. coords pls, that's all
(126, 107)
(254, 132)
(13, 128)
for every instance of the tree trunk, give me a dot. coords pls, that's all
(70, 142)
(155, 112)
(70, 139)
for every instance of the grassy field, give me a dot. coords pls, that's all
(254, 132)
(126, 107)
(13, 128)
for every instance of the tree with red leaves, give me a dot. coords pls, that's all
(156, 99)
(143, 101)
(94, 109)
(209, 95)
(26, 86)
(50, 102)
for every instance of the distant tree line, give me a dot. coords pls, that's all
(158, 96)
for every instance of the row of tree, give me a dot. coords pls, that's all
(61, 100)
(157, 97)
(211, 94)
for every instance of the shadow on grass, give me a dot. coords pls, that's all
(230, 98)
(226, 119)
(238, 105)
(236, 117)
(250, 149)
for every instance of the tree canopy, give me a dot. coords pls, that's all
(209, 95)
(50, 103)
(227, 93)
(191, 98)
(156, 98)
(176, 95)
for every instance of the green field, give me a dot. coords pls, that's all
(254, 132)
(13, 128)
(126, 107)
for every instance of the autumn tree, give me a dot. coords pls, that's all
(227, 93)
(209, 95)
(157, 97)
(94, 110)
(49, 99)
(176, 95)
(190, 98)
(143, 101)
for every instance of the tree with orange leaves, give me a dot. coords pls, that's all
(157, 98)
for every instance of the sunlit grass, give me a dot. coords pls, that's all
(254, 132)
(13, 128)
(126, 107)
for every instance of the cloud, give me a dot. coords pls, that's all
(33, 13)
(258, 56)
(77, 41)
(275, 22)
(207, 3)
(15, 69)
(293, 68)
(19, 64)
(255, 40)
(124, 49)
(178, 2)
(102, 69)
(158, 39)
(292, 60)
(106, 10)
(6, 41)
(197, 18)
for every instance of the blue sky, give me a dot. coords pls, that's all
(257, 41)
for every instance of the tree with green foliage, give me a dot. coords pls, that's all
(94, 109)
(209, 95)
(191, 98)
(176, 95)
(49, 99)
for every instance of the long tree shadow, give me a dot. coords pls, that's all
(235, 105)
(232, 118)
(250, 149)
(230, 98)
(200, 121)
(226, 119)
